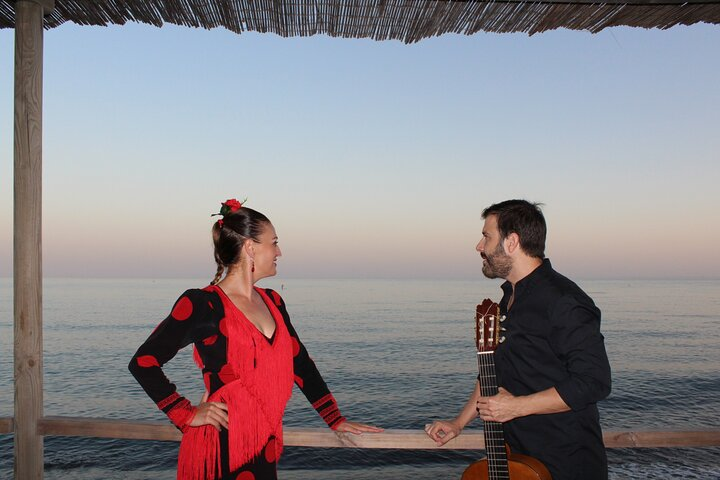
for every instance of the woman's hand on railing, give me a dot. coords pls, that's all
(357, 428)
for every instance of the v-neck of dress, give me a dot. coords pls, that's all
(274, 313)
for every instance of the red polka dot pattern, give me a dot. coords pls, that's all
(210, 340)
(183, 309)
(206, 379)
(270, 453)
(223, 327)
(276, 298)
(226, 374)
(299, 381)
(246, 476)
(197, 358)
(295, 346)
(147, 361)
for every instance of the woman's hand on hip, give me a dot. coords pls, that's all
(211, 413)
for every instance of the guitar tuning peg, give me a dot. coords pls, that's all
(502, 339)
(502, 318)
(503, 329)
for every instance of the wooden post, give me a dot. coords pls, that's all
(27, 245)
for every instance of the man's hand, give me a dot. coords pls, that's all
(442, 431)
(502, 407)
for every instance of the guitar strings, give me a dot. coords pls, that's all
(494, 438)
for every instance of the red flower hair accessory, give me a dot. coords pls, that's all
(227, 207)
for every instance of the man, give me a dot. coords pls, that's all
(552, 367)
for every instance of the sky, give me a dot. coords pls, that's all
(373, 159)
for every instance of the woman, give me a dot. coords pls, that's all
(249, 354)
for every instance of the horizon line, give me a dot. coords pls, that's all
(345, 277)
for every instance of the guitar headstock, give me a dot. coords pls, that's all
(487, 326)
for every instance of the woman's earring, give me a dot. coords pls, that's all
(252, 269)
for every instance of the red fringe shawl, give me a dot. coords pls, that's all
(256, 399)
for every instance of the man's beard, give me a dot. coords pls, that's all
(497, 264)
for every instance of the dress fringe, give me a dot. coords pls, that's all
(199, 457)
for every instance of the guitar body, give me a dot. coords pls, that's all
(521, 467)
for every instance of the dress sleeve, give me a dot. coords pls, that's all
(307, 376)
(172, 334)
(578, 341)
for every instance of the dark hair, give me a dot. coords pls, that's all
(231, 232)
(525, 219)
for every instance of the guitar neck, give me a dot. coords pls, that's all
(493, 431)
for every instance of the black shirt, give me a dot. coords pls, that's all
(553, 339)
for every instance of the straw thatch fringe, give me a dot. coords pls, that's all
(405, 20)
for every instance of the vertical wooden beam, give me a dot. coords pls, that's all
(27, 245)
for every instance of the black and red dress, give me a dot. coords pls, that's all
(242, 368)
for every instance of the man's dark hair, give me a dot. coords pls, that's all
(525, 219)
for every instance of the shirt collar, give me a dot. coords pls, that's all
(526, 282)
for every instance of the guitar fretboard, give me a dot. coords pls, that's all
(493, 431)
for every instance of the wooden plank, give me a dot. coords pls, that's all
(27, 255)
(391, 438)
(6, 425)
(661, 439)
(48, 5)
(307, 437)
(108, 428)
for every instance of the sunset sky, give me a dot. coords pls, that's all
(373, 159)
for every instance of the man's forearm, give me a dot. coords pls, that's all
(542, 403)
(469, 411)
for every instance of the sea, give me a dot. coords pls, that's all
(395, 353)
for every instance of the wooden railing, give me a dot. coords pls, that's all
(325, 438)
(6, 425)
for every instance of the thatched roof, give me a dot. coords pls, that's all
(406, 20)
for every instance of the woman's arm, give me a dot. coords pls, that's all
(311, 383)
(172, 334)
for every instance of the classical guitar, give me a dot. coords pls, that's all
(500, 463)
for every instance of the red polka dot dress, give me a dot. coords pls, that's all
(252, 374)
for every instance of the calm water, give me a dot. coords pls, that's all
(395, 353)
